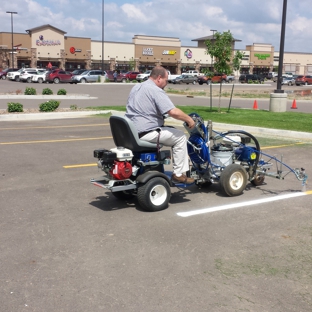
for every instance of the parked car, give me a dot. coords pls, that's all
(303, 80)
(4, 72)
(58, 75)
(78, 71)
(204, 79)
(144, 76)
(26, 75)
(271, 75)
(87, 76)
(130, 75)
(288, 81)
(245, 78)
(39, 76)
(14, 75)
(219, 78)
(194, 73)
(185, 79)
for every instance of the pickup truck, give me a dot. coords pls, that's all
(193, 73)
(144, 76)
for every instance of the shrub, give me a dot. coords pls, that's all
(61, 92)
(47, 91)
(30, 91)
(49, 106)
(15, 107)
(73, 107)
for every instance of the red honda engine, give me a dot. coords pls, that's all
(121, 170)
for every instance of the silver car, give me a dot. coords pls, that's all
(87, 76)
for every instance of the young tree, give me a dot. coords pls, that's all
(221, 50)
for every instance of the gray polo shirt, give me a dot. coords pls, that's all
(146, 106)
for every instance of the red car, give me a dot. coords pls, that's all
(131, 75)
(58, 75)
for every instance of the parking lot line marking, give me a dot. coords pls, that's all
(243, 204)
(54, 141)
(285, 145)
(79, 166)
(54, 127)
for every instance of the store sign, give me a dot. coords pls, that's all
(148, 51)
(42, 42)
(73, 50)
(188, 53)
(169, 52)
(262, 56)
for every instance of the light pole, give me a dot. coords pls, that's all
(102, 37)
(213, 32)
(281, 53)
(12, 34)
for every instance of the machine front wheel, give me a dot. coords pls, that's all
(154, 195)
(233, 180)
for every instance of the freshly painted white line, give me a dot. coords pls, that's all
(240, 205)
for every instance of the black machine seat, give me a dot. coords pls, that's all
(125, 135)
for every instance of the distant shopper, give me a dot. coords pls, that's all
(115, 76)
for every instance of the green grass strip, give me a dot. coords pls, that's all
(292, 121)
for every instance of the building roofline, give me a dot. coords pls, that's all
(29, 31)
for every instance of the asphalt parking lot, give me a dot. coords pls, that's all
(67, 245)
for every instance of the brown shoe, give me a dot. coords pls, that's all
(182, 179)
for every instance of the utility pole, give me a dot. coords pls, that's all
(12, 35)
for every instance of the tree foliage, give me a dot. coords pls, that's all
(220, 49)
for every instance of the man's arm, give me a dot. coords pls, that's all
(176, 113)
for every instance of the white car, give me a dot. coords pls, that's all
(144, 76)
(15, 75)
(39, 77)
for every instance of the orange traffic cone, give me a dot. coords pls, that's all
(294, 104)
(255, 106)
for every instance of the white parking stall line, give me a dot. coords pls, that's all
(243, 204)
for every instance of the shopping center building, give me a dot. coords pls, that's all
(39, 46)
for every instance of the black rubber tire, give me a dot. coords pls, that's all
(3, 77)
(123, 80)
(154, 195)
(83, 80)
(56, 80)
(17, 78)
(233, 180)
(194, 82)
(258, 180)
(28, 79)
(40, 80)
(123, 195)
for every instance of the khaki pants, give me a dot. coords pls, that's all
(177, 140)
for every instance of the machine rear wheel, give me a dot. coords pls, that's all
(154, 195)
(233, 180)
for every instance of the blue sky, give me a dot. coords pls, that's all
(251, 21)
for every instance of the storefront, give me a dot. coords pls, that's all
(47, 44)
